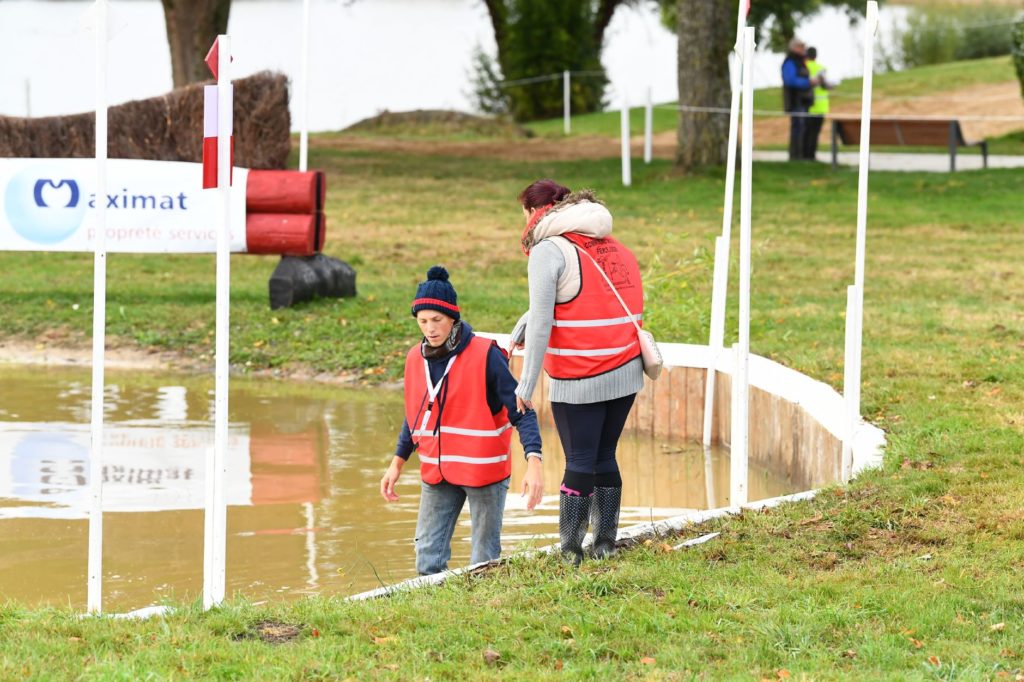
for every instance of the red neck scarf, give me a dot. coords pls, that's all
(527, 239)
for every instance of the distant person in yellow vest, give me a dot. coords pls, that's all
(819, 109)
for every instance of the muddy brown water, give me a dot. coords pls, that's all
(305, 515)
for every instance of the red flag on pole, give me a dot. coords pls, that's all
(745, 13)
(214, 53)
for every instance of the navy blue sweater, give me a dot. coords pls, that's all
(501, 392)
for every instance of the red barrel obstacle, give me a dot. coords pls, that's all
(284, 215)
(284, 212)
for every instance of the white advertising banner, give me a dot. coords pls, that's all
(152, 206)
(44, 469)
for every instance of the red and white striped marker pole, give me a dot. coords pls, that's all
(215, 526)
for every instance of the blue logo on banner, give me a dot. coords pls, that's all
(42, 207)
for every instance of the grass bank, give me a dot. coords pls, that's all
(913, 572)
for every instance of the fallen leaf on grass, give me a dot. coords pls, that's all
(934, 660)
(915, 464)
(558, 664)
(782, 674)
(391, 666)
(664, 547)
(916, 642)
(383, 640)
(997, 627)
(315, 632)
(647, 660)
(74, 639)
(566, 631)
(491, 657)
(1008, 653)
(813, 519)
(849, 653)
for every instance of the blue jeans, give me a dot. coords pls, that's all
(440, 506)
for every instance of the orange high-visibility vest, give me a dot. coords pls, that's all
(592, 334)
(469, 445)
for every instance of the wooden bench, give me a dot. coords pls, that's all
(906, 131)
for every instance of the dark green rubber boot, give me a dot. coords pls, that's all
(604, 519)
(573, 515)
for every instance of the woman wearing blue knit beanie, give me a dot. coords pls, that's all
(460, 407)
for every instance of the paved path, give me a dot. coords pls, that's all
(929, 163)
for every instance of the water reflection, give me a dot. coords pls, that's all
(304, 464)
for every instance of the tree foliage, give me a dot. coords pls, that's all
(776, 20)
(537, 38)
(706, 30)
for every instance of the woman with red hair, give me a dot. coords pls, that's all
(583, 336)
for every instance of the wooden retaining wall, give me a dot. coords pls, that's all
(784, 437)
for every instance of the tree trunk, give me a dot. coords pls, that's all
(192, 26)
(707, 32)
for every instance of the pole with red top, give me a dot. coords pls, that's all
(218, 147)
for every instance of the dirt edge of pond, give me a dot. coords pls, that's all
(124, 357)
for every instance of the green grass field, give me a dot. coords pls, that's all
(912, 572)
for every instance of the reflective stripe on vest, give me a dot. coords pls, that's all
(599, 323)
(481, 433)
(469, 446)
(465, 460)
(589, 353)
(592, 334)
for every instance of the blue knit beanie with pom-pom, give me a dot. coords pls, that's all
(437, 293)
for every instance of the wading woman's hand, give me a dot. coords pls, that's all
(533, 482)
(387, 482)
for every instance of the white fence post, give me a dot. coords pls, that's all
(566, 102)
(851, 388)
(720, 278)
(304, 121)
(94, 599)
(852, 376)
(648, 127)
(741, 379)
(627, 171)
(719, 282)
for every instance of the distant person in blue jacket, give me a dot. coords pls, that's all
(797, 95)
